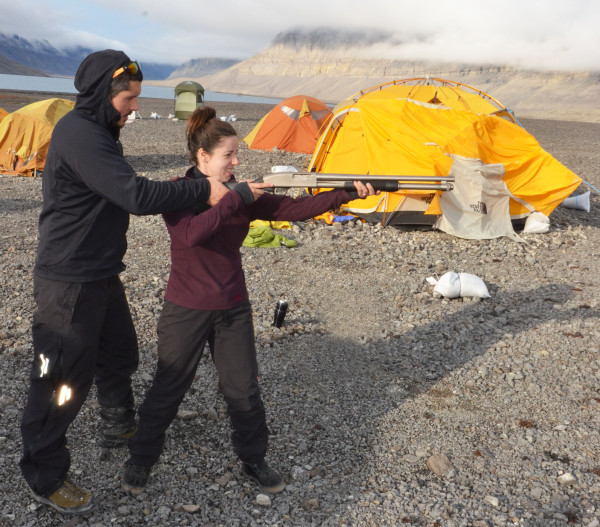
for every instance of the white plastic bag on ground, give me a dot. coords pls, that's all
(447, 286)
(453, 285)
(581, 202)
(472, 285)
(537, 223)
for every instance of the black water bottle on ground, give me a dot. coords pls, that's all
(280, 311)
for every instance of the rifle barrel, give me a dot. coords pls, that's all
(387, 186)
(345, 181)
(369, 178)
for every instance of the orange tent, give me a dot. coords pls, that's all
(293, 125)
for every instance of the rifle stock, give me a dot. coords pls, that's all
(345, 181)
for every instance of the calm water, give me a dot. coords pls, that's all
(65, 85)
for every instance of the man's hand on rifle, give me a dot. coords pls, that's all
(217, 191)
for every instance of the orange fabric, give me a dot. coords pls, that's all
(293, 125)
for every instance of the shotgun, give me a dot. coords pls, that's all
(345, 181)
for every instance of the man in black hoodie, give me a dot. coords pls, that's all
(82, 327)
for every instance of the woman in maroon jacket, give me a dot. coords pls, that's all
(206, 301)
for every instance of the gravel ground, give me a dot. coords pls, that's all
(387, 406)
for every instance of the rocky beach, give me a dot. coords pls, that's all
(387, 406)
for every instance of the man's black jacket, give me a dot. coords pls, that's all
(89, 189)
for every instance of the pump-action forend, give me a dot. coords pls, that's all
(345, 181)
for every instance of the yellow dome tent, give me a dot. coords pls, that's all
(25, 136)
(3, 114)
(293, 125)
(430, 126)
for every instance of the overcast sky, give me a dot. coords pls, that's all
(548, 34)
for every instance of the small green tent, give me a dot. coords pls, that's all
(188, 96)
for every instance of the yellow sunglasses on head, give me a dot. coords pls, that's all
(132, 68)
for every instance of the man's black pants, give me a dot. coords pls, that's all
(81, 332)
(182, 335)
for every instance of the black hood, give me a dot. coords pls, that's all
(92, 81)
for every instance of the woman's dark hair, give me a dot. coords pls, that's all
(204, 130)
(121, 82)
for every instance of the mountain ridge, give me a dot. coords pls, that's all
(202, 67)
(19, 56)
(282, 71)
(333, 66)
(11, 67)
